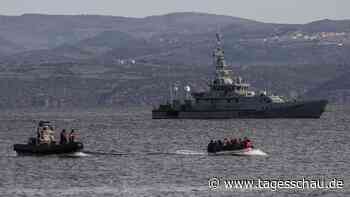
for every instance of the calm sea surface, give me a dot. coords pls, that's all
(128, 154)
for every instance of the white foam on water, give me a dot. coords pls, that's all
(12, 154)
(189, 152)
(257, 152)
(77, 154)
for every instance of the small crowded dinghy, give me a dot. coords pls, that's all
(234, 147)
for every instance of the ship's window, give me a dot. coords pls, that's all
(229, 100)
(237, 100)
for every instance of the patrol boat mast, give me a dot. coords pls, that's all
(223, 80)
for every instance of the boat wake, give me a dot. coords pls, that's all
(189, 152)
(80, 154)
(256, 152)
(176, 152)
(76, 155)
(252, 152)
(105, 153)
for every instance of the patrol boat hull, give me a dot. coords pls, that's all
(303, 109)
(47, 149)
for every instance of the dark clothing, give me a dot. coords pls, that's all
(218, 146)
(38, 136)
(211, 148)
(233, 144)
(63, 138)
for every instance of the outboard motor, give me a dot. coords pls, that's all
(211, 147)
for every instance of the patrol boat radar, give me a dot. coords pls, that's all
(230, 97)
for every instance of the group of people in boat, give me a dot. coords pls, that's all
(44, 142)
(229, 144)
(65, 138)
(46, 135)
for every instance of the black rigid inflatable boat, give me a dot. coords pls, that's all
(46, 145)
(31, 148)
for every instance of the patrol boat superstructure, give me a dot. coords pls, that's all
(229, 97)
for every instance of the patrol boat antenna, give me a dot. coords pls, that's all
(223, 76)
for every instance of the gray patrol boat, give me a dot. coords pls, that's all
(230, 97)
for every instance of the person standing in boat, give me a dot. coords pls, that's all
(72, 136)
(63, 137)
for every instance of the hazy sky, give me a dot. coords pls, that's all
(283, 11)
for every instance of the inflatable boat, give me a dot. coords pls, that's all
(47, 149)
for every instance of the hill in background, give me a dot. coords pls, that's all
(91, 61)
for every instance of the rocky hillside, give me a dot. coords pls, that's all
(168, 39)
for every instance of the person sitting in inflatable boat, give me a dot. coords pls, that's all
(229, 145)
